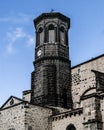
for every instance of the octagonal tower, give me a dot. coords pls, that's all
(51, 78)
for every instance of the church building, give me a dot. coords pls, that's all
(61, 97)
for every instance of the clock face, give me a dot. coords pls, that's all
(39, 53)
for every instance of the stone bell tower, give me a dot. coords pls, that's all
(51, 78)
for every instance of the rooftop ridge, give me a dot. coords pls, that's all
(92, 59)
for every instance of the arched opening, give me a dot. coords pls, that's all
(70, 127)
(62, 35)
(51, 33)
(40, 35)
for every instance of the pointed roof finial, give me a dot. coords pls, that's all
(52, 10)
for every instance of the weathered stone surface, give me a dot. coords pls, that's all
(84, 79)
(51, 80)
(22, 116)
(13, 117)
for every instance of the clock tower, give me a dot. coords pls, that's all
(51, 78)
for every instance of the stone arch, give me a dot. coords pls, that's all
(63, 35)
(88, 91)
(51, 31)
(51, 26)
(39, 35)
(62, 28)
(39, 26)
(63, 25)
(51, 22)
(40, 30)
(70, 127)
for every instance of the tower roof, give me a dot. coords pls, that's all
(52, 15)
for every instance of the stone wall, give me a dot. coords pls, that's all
(37, 118)
(12, 117)
(102, 109)
(91, 107)
(27, 95)
(83, 78)
(62, 122)
(25, 116)
(92, 117)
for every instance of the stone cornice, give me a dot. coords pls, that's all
(90, 96)
(51, 58)
(74, 112)
(52, 15)
(92, 121)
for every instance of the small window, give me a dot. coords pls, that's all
(12, 102)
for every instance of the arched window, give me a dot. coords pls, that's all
(71, 127)
(40, 35)
(62, 35)
(51, 33)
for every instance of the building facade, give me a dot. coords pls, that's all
(61, 97)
